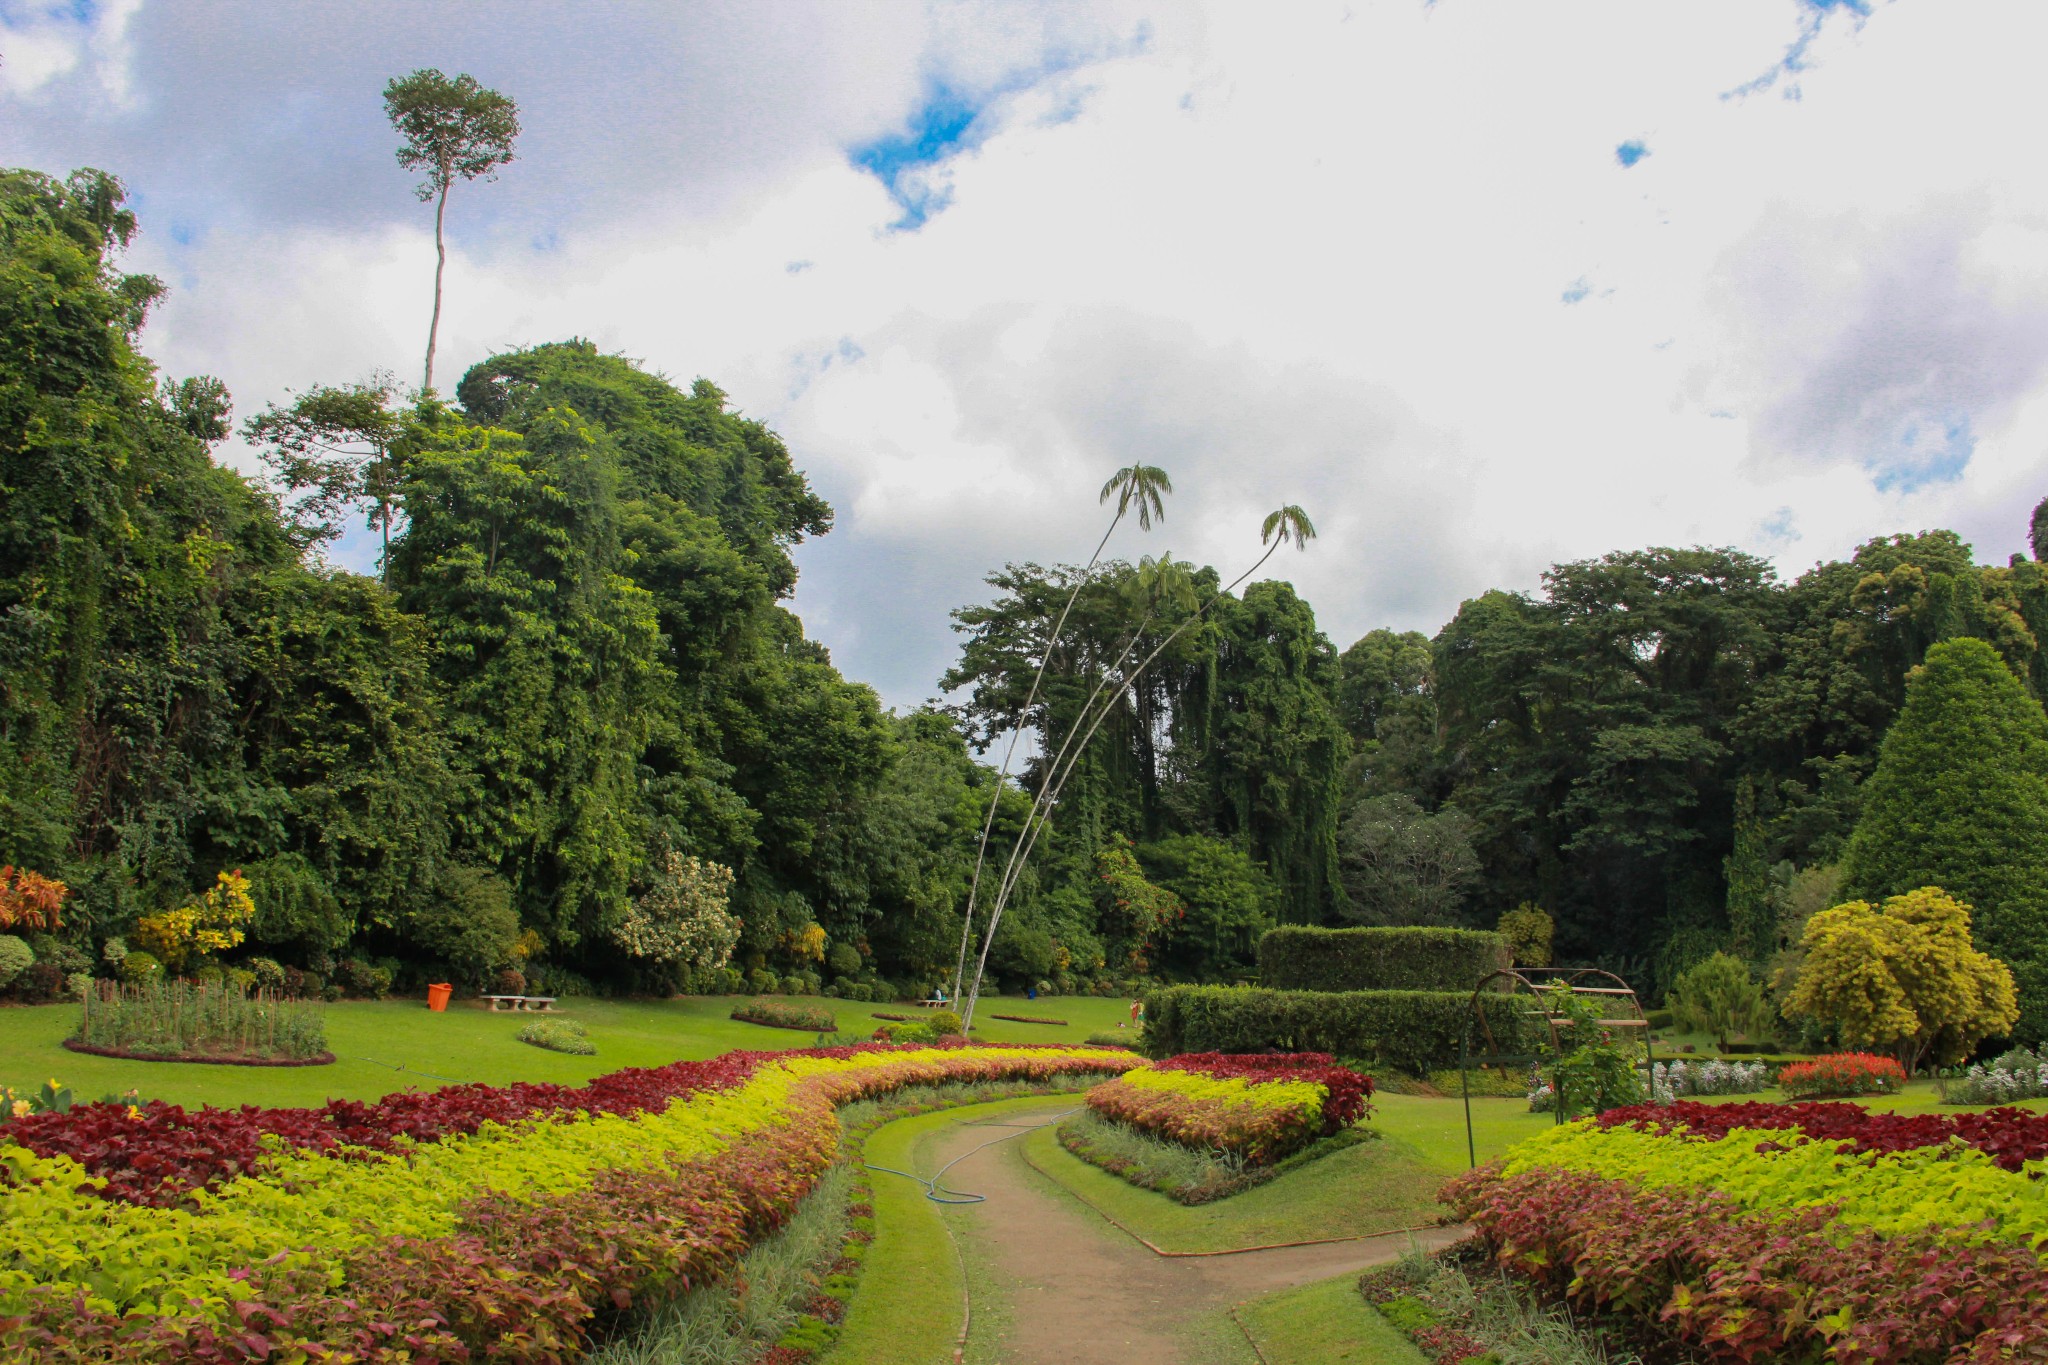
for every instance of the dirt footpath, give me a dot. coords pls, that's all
(1082, 1291)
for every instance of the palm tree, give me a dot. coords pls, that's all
(1281, 526)
(1142, 486)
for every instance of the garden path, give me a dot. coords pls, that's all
(1083, 1291)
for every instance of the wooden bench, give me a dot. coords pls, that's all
(540, 1004)
(936, 1002)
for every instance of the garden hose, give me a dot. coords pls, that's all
(937, 1193)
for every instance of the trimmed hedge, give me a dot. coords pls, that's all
(1297, 958)
(1415, 1031)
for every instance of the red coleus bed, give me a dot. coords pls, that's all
(1749, 1287)
(2010, 1137)
(160, 1153)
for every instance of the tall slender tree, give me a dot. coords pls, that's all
(1142, 486)
(1288, 523)
(452, 127)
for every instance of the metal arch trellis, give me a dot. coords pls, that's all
(1536, 982)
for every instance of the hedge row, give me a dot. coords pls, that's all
(1297, 958)
(1413, 1031)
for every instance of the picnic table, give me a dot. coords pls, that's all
(540, 1004)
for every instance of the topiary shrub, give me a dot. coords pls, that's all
(138, 967)
(16, 957)
(944, 1023)
(844, 960)
(509, 981)
(1415, 1031)
(1298, 958)
(269, 975)
(294, 905)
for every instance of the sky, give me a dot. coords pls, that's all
(1482, 285)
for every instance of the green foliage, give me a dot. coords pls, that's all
(137, 968)
(1133, 912)
(1719, 996)
(1903, 975)
(1415, 1031)
(178, 1019)
(1293, 958)
(468, 923)
(1596, 1074)
(1958, 801)
(16, 957)
(294, 906)
(559, 1035)
(1228, 902)
(1528, 930)
(1403, 865)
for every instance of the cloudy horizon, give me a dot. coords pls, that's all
(1483, 286)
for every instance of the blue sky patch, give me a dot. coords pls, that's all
(1932, 449)
(1631, 151)
(1576, 290)
(937, 129)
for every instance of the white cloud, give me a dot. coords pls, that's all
(1307, 253)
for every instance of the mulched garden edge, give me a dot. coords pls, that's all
(93, 1050)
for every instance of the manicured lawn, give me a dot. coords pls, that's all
(907, 1310)
(382, 1046)
(1324, 1323)
(1370, 1188)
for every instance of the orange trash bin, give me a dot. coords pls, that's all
(437, 995)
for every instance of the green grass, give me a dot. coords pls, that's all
(1324, 1323)
(907, 1311)
(1371, 1188)
(372, 1040)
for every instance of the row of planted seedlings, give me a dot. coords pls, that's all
(473, 1222)
(1784, 1232)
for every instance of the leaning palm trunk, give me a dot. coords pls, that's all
(1143, 485)
(1291, 523)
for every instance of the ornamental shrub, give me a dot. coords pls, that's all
(1413, 1031)
(1527, 929)
(1717, 995)
(138, 967)
(681, 919)
(200, 928)
(294, 905)
(468, 922)
(16, 957)
(1842, 1073)
(1958, 801)
(1903, 975)
(945, 1023)
(1297, 958)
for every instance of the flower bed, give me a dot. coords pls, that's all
(1029, 1019)
(476, 1221)
(1795, 1232)
(1842, 1073)
(802, 1018)
(1258, 1107)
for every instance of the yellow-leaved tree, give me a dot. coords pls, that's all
(1903, 976)
(201, 928)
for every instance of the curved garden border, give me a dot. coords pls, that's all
(92, 1050)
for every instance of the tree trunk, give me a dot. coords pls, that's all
(440, 266)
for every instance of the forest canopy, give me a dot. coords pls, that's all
(570, 728)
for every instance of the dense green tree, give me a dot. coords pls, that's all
(453, 127)
(340, 450)
(1958, 801)
(1228, 902)
(1403, 865)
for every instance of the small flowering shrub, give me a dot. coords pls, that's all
(1257, 1107)
(2017, 1075)
(1674, 1081)
(773, 1013)
(1842, 1073)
